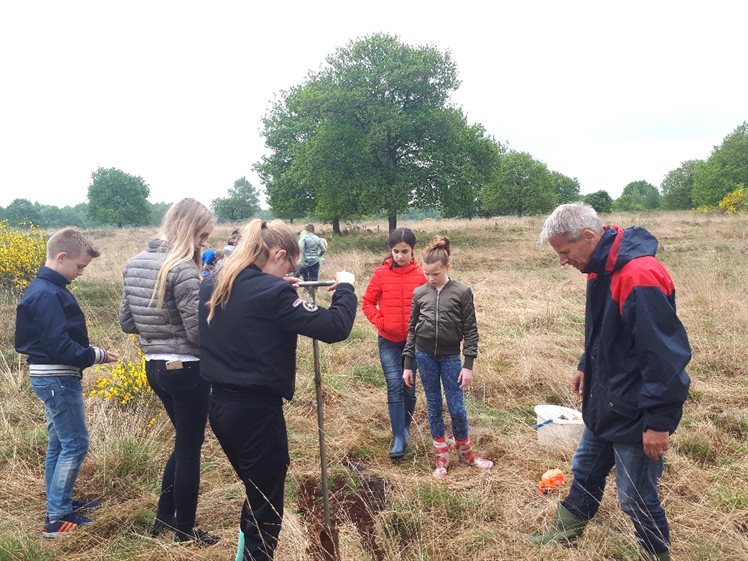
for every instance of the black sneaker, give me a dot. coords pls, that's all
(65, 525)
(200, 537)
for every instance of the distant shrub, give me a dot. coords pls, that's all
(22, 252)
(126, 383)
(734, 202)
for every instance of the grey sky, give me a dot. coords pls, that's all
(174, 91)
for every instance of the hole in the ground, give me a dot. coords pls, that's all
(356, 498)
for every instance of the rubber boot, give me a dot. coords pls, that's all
(410, 406)
(397, 419)
(240, 547)
(565, 528)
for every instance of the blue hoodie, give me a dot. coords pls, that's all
(636, 348)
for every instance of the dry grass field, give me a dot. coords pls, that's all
(530, 313)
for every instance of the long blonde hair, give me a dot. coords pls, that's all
(184, 221)
(258, 238)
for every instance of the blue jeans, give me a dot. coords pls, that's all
(391, 357)
(310, 273)
(636, 482)
(435, 373)
(67, 439)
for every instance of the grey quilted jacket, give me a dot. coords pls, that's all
(171, 328)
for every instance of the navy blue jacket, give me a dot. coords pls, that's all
(635, 347)
(50, 326)
(251, 344)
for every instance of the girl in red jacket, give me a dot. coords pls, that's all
(386, 304)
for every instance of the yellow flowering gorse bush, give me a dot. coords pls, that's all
(735, 201)
(125, 384)
(22, 252)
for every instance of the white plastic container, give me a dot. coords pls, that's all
(563, 432)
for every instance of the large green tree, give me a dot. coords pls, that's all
(725, 169)
(373, 131)
(677, 186)
(638, 196)
(118, 198)
(523, 186)
(242, 202)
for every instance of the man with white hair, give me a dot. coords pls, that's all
(631, 376)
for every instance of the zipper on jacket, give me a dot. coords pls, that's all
(436, 340)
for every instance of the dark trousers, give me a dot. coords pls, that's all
(185, 397)
(250, 427)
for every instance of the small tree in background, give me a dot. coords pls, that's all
(726, 168)
(523, 186)
(638, 196)
(116, 197)
(22, 212)
(677, 186)
(600, 201)
(566, 188)
(242, 202)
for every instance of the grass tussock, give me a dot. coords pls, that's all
(530, 314)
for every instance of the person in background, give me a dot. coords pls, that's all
(159, 303)
(51, 331)
(443, 317)
(231, 243)
(210, 259)
(312, 249)
(631, 377)
(250, 320)
(386, 304)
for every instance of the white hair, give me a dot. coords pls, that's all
(570, 220)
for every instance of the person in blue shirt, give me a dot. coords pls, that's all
(51, 331)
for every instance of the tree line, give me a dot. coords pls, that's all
(373, 133)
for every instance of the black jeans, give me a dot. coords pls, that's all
(250, 427)
(185, 397)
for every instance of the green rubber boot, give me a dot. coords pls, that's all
(565, 528)
(240, 547)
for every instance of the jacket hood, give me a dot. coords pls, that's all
(158, 246)
(618, 246)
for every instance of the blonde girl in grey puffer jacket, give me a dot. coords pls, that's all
(160, 303)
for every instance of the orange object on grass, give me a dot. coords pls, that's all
(552, 479)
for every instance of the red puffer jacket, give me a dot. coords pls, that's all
(386, 302)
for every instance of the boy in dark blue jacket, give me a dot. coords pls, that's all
(51, 331)
(631, 377)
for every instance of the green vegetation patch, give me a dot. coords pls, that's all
(370, 374)
(23, 549)
(500, 418)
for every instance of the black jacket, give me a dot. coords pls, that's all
(440, 321)
(50, 326)
(251, 344)
(636, 348)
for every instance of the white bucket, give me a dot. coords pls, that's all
(559, 428)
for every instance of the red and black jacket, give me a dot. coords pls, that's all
(636, 348)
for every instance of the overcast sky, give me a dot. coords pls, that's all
(173, 91)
